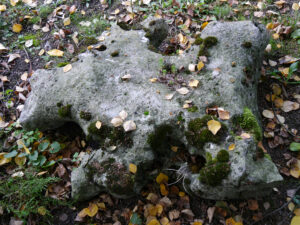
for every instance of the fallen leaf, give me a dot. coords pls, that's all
(42, 210)
(231, 221)
(24, 76)
(174, 214)
(245, 136)
(200, 65)
(2, 8)
(2, 48)
(55, 52)
(17, 28)
(14, 2)
(252, 204)
(21, 143)
(169, 96)
(192, 67)
(162, 178)
(153, 80)
(193, 83)
(4, 160)
(214, 126)
(183, 91)
(204, 25)
(275, 36)
(20, 161)
(129, 126)
(153, 222)
(231, 147)
(41, 52)
(126, 77)
(116, 122)
(67, 21)
(163, 190)
(12, 57)
(223, 114)
(297, 212)
(67, 68)
(295, 6)
(91, 211)
(123, 114)
(268, 114)
(132, 168)
(174, 148)
(289, 106)
(98, 124)
(295, 220)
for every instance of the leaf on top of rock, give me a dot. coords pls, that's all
(17, 28)
(98, 124)
(214, 126)
(183, 91)
(116, 122)
(129, 125)
(132, 168)
(123, 114)
(67, 68)
(193, 83)
(200, 65)
(169, 96)
(223, 114)
(231, 147)
(55, 52)
(126, 77)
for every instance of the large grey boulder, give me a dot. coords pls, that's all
(95, 87)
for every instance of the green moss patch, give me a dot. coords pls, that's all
(205, 44)
(198, 133)
(248, 122)
(65, 111)
(215, 170)
(85, 115)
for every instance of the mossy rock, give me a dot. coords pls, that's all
(198, 133)
(205, 44)
(160, 136)
(248, 122)
(223, 156)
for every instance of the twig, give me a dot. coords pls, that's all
(30, 66)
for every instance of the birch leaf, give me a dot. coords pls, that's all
(214, 126)
(55, 52)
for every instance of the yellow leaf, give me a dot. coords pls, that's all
(285, 71)
(14, 2)
(17, 28)
(295, 220)
(90, 211)
(200, 65)
(4, 160)
(152, 210)
(101, 205)
(98, 124)
(20, 142)
(231, 221)
(42, 210)
(193, 83)
(231, 147)
(197, 223)
(295, 6)
(162, 178)
(174, 148)
(214, 126)
(297, 212)
(163, 190)
(181, 194)
(164, 221)
(270, 26)
(67, 68)
(275, 36)
(20, 161)
(67, 21)
(55, 52)
(159, 209)
(153, 222)
(2, 8)
(132, 168)
(295, 172)
(204, 25)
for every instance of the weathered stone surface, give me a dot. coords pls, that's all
(95, 86)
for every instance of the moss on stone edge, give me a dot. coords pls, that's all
(65, 111)
(248, 122)
(207, 43)
(109, 136)
(158, 138)
(114, 53)
(198, 133)
(215, 170)
(85, 115)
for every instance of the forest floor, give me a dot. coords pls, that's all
(35, 188)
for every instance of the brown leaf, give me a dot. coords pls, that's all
(252, 204)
